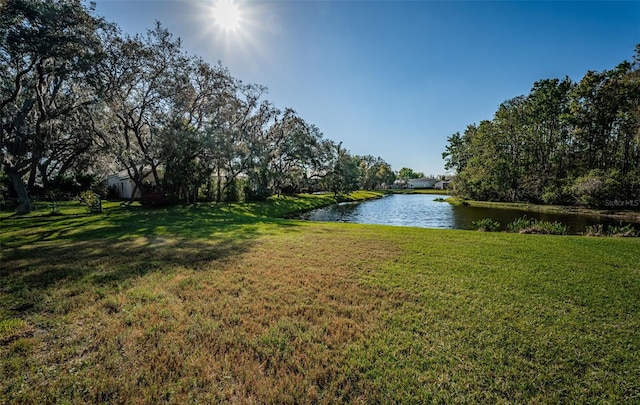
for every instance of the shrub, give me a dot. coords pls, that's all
(91, 200)
(457, 201)
(486, 225)
(596, 187)
(594, 230)
(156, 196)
(520, 223)
(627, 231)
(534, 226)
(557, 193)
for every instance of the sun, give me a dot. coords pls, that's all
(233, 30)
(227, 15)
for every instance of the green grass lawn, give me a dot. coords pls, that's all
(229, 303)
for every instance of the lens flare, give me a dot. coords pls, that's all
(227, 15)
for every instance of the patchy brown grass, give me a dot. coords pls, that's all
(224, 304)
(171, 320)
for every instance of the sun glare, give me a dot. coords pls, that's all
(227, 15)
(233, 29)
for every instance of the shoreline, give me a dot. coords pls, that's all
(623, 215)
(631, 216)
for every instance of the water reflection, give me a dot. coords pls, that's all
(420, 210)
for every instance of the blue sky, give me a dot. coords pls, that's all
(396, 78)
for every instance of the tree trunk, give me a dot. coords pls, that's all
(24, 205)
(133, 193)
(219, 185)
(209, 192)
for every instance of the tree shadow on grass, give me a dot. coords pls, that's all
(31, 276)
(88, 252)
(127, 222)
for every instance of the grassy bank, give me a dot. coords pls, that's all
(230, 304)
(275, 207)
(623, 215)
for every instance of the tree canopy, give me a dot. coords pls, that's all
(563, 143)
(79, 98)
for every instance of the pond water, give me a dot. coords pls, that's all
(420, 210)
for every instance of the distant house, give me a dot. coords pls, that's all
(423, 182)
(442, 184)
(399, 184)
(123, 185)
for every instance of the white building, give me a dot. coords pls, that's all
(399, 184)
(442, 184)
(124, 186)
(423, 182)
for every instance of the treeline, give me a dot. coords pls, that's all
(79, 99)
(563, 143)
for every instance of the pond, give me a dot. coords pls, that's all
(420, 210)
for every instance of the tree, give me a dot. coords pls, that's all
(544, 160)
(77, 98)
(563, 142)
(237, 134)
(141, 77)
(47, 53)
(406, 173)
(343, 175)
(295, 152)
(181, 147)
(373, 172)
(385, 175)
(455, 154)
(201, 101)
(606, 118)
